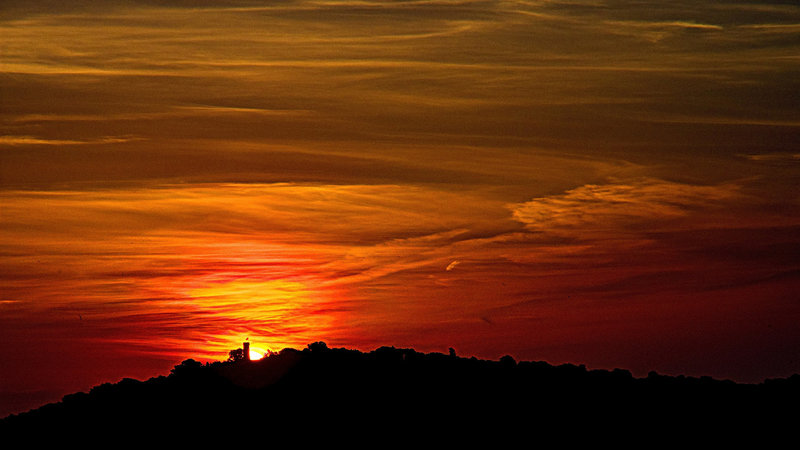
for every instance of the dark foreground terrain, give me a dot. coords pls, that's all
(391, 394)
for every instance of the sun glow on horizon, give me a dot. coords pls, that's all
(282, 313)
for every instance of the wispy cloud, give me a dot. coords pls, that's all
(620, 208)
(393, 72)
(778, 157)
(33, 140)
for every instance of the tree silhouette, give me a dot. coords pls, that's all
(236, 355)
(186, 367)
(508, 361)
(391, 392)
(318, 346)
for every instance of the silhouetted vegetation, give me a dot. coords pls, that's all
(236, 355)
(400, 391)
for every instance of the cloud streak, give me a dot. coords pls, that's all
(33, 140)
(617, 209)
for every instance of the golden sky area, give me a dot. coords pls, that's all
(599, 182)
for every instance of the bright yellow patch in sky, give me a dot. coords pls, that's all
(262, 308)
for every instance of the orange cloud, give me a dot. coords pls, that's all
(618, 209)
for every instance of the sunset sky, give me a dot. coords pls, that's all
(601, 182)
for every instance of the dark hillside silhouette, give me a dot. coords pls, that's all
(321, 391)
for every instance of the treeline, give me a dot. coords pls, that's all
(340, 391)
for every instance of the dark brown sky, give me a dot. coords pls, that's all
(610, 183)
